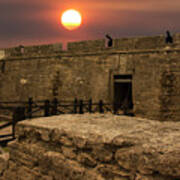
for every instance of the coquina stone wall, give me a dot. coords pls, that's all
(94, 147)
(86, 69)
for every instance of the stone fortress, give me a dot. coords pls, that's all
(145, 70)
(146, 67)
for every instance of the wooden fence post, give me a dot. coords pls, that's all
(18, 115)
(81, 107)
(75, 106)
(14, 121)
(101, 110)
(114, 108)
(22, 112)
(46, 108)
(90, 106)
(29, 110)
(54, 106)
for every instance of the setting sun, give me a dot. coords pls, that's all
(71, 19)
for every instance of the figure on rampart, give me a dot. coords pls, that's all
(169, 38)
(110, 40)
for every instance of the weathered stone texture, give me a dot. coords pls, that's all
(86, 45)
(96, 147)
(4, 157)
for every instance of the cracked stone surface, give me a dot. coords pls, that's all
(96, 146)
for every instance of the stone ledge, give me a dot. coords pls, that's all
(58, 55)
(103, 128)
(97, 146)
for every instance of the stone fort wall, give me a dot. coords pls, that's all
(85, 70)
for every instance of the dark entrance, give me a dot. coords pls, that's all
(123, 93)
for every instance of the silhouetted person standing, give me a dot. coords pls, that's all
(110, 40)
(169, 38)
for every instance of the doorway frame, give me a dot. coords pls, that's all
(113, 73)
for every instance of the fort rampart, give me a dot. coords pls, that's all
(95, 146)
(87, 70)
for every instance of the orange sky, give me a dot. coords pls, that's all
(38, 21)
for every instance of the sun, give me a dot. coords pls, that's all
(71, 19)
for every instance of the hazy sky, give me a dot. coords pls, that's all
(30, 22)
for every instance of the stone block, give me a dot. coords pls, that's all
(4, 158)
(65, 141)
(79, 142)
(102, 154)
(109, 171)
(86, 160)
(68, 152)
(86, 45)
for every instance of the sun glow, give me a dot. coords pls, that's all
(71, 19)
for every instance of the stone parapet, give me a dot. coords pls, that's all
(99, 147)
(95, 46)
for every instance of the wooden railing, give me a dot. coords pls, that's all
(21, 110)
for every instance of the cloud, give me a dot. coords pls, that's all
(140, 5)
(39, 21)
